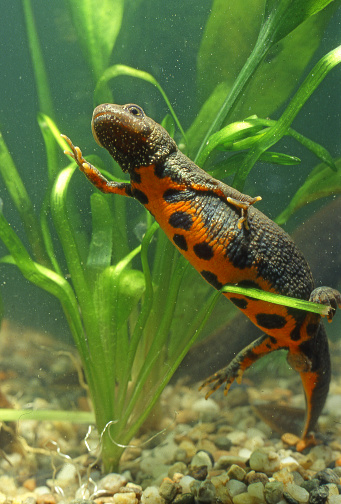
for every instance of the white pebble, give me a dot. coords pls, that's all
(124, 498)
(112, 482)
(151, 496)
(298, 493)
(208, 409)
(235, 487)
(66, 475)
(185, 484)
(236, 437)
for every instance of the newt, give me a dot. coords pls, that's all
(227, 240)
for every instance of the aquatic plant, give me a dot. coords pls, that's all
(131, 312)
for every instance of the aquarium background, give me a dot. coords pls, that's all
(162, 39)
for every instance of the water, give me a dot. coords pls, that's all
(172, 43)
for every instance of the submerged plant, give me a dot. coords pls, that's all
(128, 310)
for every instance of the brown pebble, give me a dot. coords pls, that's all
(290, 439)
(255, 477)
(30, 484)
(46, 499)
(199, 473)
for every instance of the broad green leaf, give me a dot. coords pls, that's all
(286, 15)
(230, 34)
(101, 238)
(321, 182)
(97, 25)
(277, 76)
(229, 37)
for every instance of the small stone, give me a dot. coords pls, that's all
(124, 498)
(202, 458)
(236, 437)
(225, 461)
(334, 499)
(289, 499)
(318, 496)
(298, 493)
(256, 490)
(290, 439)
(199, 473)
(208, 409)
(206, 492)
(235, 487)
(264, 461)
(236, 472)
(310, 485)
(112, 482)
(327, 476)
(178, 467)
(273, 492)
(255, 477)
(244, 498)
(30, 484)
(223, 442)
(188, 447)
(332, 489)
(151, 496)
(186, 498)
(168, 489)
(185, 484)
(47, 498)
(66, 475)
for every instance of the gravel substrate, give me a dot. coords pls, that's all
(214, 451)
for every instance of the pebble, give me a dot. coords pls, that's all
(185, 484)
(235, 487)
(124, 498)
(273, 492)
(208, 409)
(112, 482)
(168, 489)
(186, 498)
(206, 492)
(236, 472)
(298, 493)
(202, 458)
(265, 461)
(151, 496)
(327, 476)
(319, 495)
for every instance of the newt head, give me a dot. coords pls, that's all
(132, 138)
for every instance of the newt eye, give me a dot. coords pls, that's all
(135, 110)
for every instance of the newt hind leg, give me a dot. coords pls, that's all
(329, 297)
(243, 360)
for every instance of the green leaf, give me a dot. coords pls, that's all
(22, 202)
(278, 130)
(230, 34)
(270, 297)
(320, 183)
(286, 15)
(101, 239)
(43, 88)
(97, 25)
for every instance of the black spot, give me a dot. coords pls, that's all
(270, 320)
(181, 220)
(295, 333)
(268, 346)
(240, 303)
(159, 170)
(312, 329)
(203, 251)
(135, 177)
(140, 196)
(273, 340)
(172, 195)
(180, 241)
(211, 278)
